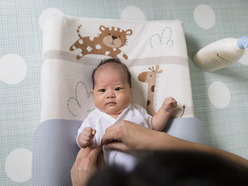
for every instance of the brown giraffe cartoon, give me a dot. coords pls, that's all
(150, 78)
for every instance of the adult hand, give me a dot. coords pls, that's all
(127, 136)
(85, 165)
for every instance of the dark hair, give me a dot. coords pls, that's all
(116, 61)
(181, 168)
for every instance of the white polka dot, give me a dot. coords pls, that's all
(204, 16)
(244, 59)
(18, 165)
(12, 69)
(219, 94)
(132, 13)
(46, 14)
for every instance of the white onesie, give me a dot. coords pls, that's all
(101, 121)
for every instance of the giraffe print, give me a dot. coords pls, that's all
(150, 78)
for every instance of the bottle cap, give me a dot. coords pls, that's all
(243, 42)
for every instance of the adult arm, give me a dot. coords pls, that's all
(127, 136)
(85, 165)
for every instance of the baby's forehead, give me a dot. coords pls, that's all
(111, 66)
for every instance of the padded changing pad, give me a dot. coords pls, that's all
(155, 53)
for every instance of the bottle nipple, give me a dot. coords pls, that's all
(243, 42)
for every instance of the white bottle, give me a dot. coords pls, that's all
(220, 54)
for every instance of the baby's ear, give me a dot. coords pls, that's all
(92, 91)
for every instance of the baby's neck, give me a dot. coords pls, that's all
(114, 115)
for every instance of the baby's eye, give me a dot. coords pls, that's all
(102, 90)
(117, 89)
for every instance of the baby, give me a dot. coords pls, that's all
(112, 90)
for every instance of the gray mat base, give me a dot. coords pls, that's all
(55, 148)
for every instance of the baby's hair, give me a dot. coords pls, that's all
(115, 61)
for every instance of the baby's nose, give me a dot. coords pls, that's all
(111, 94)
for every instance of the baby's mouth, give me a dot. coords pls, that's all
(111, 103)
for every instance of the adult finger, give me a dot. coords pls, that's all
(117, 146)
(95, 152)
(84, 152)
(111, 135)
(87, 152)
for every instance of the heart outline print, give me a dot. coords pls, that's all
(78, 99)
(161, 36)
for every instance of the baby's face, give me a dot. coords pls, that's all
(112, 93)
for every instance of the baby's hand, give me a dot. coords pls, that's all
(169, 104)
(86, 136)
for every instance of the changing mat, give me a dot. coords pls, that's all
(155, 53)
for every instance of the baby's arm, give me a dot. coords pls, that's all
(160, 119)
(85, 137)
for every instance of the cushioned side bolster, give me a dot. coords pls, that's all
(54, 152)
(190, 129)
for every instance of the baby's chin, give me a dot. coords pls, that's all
(114, 113)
